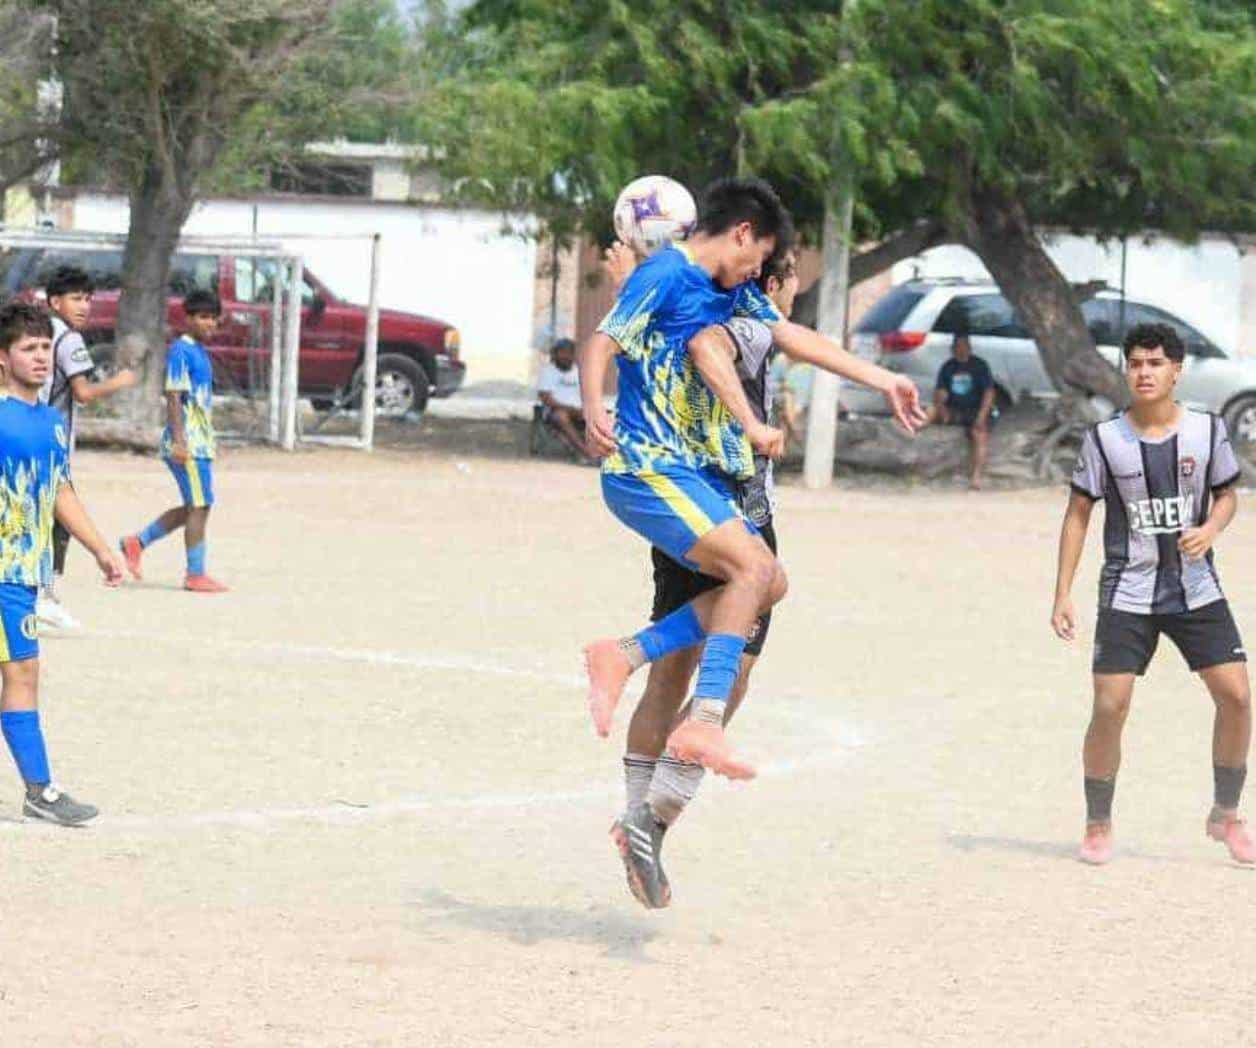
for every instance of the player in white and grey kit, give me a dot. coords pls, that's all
(1166, 475)
(69, 290)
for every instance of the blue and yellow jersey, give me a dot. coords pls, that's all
(666, 414)
(33, 458)
(190, 373)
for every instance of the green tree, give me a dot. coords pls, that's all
(27, 97)
(168, 99)
(978, 121)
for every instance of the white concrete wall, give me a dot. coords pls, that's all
(450, 264)
(1201, 283)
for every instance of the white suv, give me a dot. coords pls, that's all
(910, 330)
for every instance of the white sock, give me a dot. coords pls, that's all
(673, 786)
(638, 772)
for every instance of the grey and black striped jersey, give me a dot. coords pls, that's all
(1153, 490)
(753, 340)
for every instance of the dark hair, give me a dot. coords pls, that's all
(202, 303)
(775, 267)
(1151, 336)
(562, 343)
(730, 201)
(21, 318)
(65, 280)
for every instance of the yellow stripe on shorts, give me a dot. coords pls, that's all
(681, 504)
(4, 645)
(194, 482)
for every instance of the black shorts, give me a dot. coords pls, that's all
(1207, 636)
(968, 419)
(675, 586)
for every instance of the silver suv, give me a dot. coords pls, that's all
(910, 329)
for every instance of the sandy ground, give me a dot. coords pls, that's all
(357, 801)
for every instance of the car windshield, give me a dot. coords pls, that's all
(890, 311)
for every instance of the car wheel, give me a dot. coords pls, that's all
(1240, 421)
(401, 387)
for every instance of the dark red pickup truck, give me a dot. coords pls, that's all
(418, 356)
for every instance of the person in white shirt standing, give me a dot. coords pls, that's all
(558, 389)
(69, 384)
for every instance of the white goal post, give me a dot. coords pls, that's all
(257, 354)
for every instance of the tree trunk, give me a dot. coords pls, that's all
(158, 211)
(999, 231)
(906, 243)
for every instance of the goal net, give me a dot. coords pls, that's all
(283, 374)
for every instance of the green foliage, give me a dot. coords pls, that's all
(1114, 116)
(552, 107)
(217, 91)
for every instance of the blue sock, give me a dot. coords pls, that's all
(680, 629)
(151, 534)
(196, 559)
(26, 743)
(721, 661)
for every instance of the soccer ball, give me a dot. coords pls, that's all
(652, 211)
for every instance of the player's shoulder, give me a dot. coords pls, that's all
(749, 334)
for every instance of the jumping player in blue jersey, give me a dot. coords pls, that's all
(683, 426)
(34, 448)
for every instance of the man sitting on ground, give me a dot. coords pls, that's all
(964, 396)
(558, 390)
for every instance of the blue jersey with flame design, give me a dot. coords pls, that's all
(33, 457)
(666, 414)
(190, 373)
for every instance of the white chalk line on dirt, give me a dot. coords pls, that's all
(349, 812)
(368, 656)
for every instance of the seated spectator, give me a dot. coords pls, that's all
(558, 390)
(964, 396)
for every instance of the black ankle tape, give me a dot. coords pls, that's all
(1099, 793)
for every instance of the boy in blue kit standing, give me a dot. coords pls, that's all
(34, 448)
(187, 445)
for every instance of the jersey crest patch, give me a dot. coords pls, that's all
(1186, 464)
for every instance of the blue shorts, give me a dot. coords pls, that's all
(19, 633)
(672, 507)
(195, 478)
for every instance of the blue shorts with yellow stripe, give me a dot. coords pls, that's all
(195, 478)
(672, 506)
(19, 634)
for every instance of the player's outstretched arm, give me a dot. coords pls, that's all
(713, 353)
(85, 391)
(1196, 542)
(593, 359)
(73, 517)
(810, 347)
(1072, 541)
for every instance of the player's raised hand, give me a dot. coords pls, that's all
(619, 261)
(904, 400)
(1196, 542)
(599, 433)
(1064, 618)
(767, 440)
(109, 567)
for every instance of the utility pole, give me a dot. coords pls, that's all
(821, 447)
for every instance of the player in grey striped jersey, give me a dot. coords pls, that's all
(1166, 475)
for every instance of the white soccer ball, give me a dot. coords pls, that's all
(652, 211)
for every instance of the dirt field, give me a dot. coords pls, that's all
(357, 800)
